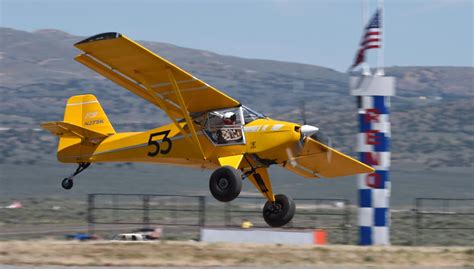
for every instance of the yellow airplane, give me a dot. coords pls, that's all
(208, 129)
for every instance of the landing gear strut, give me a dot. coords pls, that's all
(280, 212)
(279, 209)
(68, 182)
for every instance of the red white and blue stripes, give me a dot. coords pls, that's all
(371, 38)
(374, 189)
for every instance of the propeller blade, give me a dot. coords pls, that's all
(291, 158)
(326, 140)
(329, 152)
(303, 111)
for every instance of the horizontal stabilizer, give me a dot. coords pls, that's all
(64, 129)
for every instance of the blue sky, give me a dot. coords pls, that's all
(326, 33)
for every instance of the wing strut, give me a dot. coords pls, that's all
(184, 110)
(161, 103)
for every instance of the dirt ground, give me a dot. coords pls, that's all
(176, 253)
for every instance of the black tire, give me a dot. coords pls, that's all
(280, 213)
(225, 183)
(67, 183)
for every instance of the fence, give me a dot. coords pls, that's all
(430, 221)
(145, 209)
(175, 210)
(444, 221)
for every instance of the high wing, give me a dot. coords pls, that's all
(153, 78)
(146, 74)
(317, 160)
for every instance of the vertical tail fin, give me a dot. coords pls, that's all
(85, 111)
(85, 125)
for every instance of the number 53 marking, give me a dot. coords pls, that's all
(157, 145)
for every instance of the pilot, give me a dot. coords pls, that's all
(229, 118)
(229, 133)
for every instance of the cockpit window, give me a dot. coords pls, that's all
(251, 115)
(224, 127)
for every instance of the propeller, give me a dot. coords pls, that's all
(314, 132)
(291, 158)
(326, 140)
(306, 130)
(303, 111)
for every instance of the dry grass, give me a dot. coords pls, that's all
(167, 253)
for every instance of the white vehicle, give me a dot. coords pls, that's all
(140, 235)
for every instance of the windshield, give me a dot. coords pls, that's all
(251, 115)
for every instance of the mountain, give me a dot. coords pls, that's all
(431, 114)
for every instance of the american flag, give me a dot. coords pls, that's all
(371, 39)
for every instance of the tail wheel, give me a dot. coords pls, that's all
(225, 183)
(280, 212)
(67, 183)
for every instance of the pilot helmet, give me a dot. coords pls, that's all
(230, 116)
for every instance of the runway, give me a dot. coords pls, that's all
(232, 267)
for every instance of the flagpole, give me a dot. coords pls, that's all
(373, 94)
(365, 19)
(380, 56)
(365, 8)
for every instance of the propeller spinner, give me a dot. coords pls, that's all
(308, 130)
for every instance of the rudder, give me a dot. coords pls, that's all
(85, 124)
(86, 111)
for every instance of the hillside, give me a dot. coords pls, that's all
(432, 113)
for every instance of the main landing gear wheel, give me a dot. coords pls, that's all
(225, 183)
(67, 183)
(280, 212)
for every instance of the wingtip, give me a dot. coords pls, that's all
(99, 37)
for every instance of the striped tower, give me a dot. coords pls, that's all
(373, 144)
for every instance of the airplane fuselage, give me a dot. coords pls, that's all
(267, 139)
